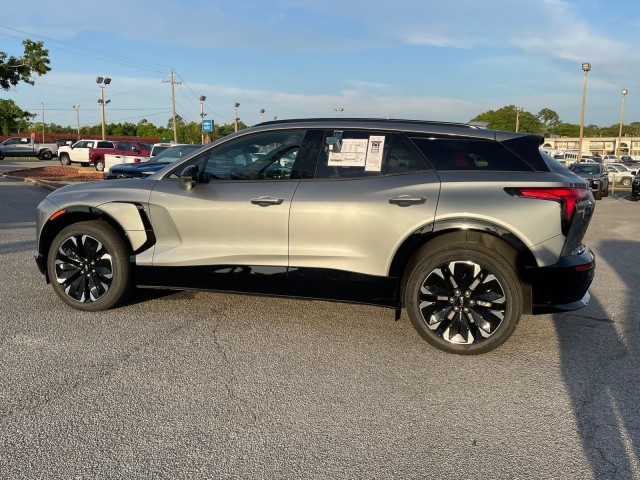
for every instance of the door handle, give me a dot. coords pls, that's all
(407, 200)
(266, 201)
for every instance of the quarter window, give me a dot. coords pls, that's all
(466, 154)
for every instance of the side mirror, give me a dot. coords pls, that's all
(189, 177)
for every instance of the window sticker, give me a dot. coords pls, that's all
(352, 153)
(374, 154)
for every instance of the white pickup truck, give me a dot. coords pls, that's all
(79, 151)
(27, 147)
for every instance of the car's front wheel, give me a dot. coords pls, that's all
(463, 298)
(88, 265)
(99, 165)
(64, 159)
(46, 155)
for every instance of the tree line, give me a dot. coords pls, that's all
(35, 61)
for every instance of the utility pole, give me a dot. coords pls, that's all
(173, 106)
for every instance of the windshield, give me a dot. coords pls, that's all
(171, 154)
(591, 169)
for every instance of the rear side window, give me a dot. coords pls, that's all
(363, 153)
(470, 154)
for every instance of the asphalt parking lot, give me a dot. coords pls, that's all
(207, 385)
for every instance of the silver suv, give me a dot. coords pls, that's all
(466, 228)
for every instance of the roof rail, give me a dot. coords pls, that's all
(372, 120)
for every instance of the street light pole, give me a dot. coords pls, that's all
(42, 103)
(262, 110)
(103, 82)
(518, 109)
(202, 115)
(624, 94)
(586, 67)
(235, 116)
(77, 109)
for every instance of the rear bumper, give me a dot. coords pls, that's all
(564, 286)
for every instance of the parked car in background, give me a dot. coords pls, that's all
(121, 149)
(610, 159)
(620, 174)
(157, 148)
(465, 227)
(596, 174)
(27, 147)
(79, 151)
(635, 187)
(155, 164)
(127, 152)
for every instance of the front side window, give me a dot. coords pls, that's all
(260, 156)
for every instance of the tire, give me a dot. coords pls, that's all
(85, 164)
(597, 195)
(45, 155)
(605, 192)
(88, 265)
(626, 181)
(64, 159)
(100, 165)
(463, 298)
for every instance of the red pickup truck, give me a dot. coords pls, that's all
(123, 148)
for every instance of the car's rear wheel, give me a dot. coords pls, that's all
(89, 266)
(64, 159)
(463, 298)
(626, 181)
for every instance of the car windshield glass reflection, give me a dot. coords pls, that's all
(586, 169)
(173, 154)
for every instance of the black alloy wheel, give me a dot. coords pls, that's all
(465, 300)
(46, 155)
(88, 266)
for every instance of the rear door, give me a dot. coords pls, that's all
(371, 190)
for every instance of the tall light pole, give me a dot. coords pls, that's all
(518, 110)
(103, 82)
(586, 67)
(202, 115)
(235, 116)
(262, 110)
(42, 121)
(624, 94)
(77, 109)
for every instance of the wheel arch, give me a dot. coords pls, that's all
(484, 234)
(78, 214)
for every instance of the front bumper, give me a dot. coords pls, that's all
(564, 286)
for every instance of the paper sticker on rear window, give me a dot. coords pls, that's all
(351, 152)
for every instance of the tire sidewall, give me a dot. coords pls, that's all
(425, 263)
(64, 159)
(105, 234)
(100, 165)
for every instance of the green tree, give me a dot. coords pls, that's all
(13, 118)
(34, 61)
(506, 118)
(549, 120)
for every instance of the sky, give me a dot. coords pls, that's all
(416, 59)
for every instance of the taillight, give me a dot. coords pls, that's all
(567, 197)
